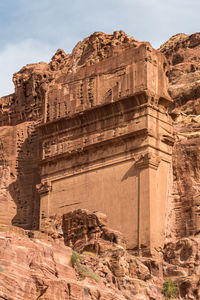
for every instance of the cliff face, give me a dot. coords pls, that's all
(182, 52)
(40, 267)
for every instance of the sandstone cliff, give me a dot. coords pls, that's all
(40, 267)
(35, 265)
(182, 52)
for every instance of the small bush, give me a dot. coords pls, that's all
(1, 268)
(170, 289)
(75, 259)
(85, 271)
(81, 269)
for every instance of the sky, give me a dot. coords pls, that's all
(32, 30)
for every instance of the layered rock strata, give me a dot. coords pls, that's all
(182, 52)
(42, 267)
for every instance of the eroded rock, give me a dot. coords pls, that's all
(87, 231)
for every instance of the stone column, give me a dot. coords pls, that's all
(148, 212)
(44, 190)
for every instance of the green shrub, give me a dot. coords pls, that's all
(1, 268)
(170, 289)
(81, 269)
(75, 259)
(85, 271)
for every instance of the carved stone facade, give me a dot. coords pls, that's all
(107, 144)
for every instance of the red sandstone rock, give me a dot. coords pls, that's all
(86, 231)
(182, 52)
(32, 268)
(183, 265)
(91, 50)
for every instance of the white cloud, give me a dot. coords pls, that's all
(14, 56)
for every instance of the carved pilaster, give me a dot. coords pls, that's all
(44, 188)
(148, 160)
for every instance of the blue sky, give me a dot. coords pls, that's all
(32, 30)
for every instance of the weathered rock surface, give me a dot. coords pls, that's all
(91, 50)
(32, 268)
(41, 269)
(184, 268)
(86, 231)
(182, 52)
